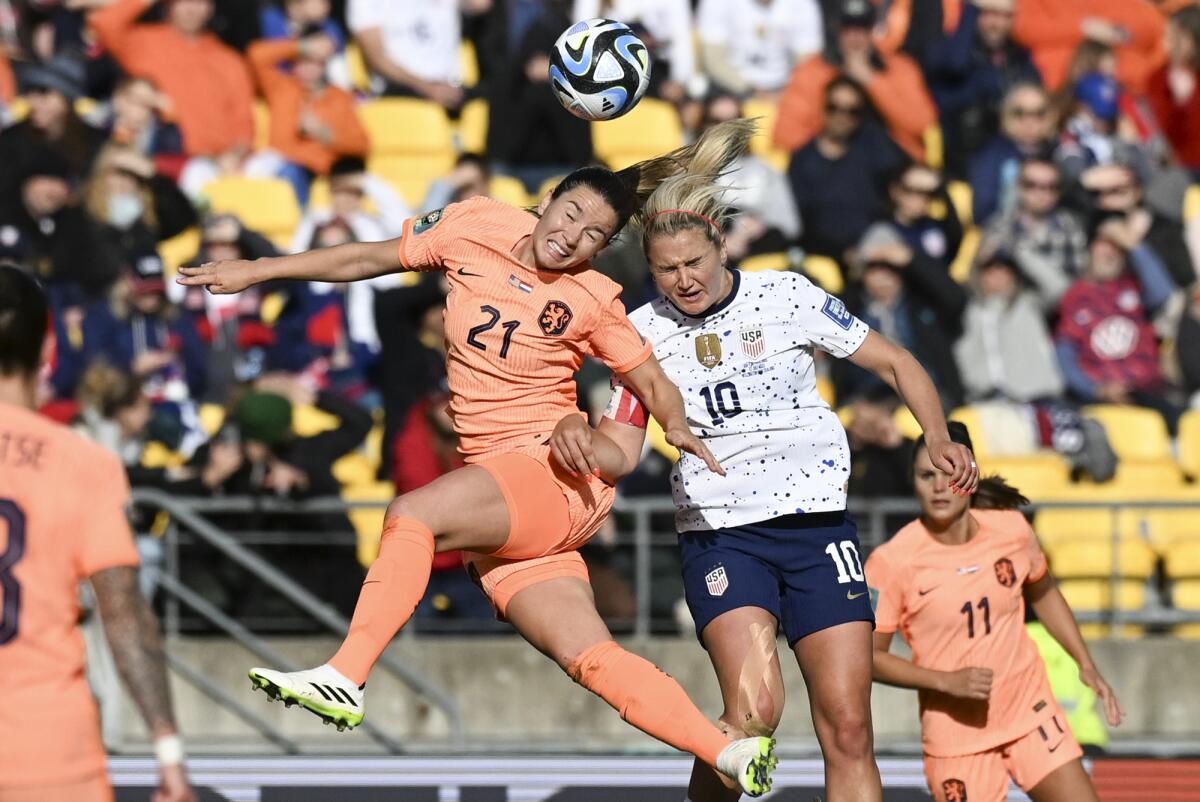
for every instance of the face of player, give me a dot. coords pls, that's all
(939, 505)
(689, 269)
(572, 229)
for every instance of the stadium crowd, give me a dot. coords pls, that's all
(1004, 187)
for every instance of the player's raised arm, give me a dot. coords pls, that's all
(353, 261)
(665, 403)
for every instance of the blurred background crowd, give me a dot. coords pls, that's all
(1008, 188)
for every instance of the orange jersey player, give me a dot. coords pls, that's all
(955, 582)
(524, 309)
(62, 521)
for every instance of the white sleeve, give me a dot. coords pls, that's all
(711, 22)
(683, 45)
(810, 29)
(364, 14)
(825, 321)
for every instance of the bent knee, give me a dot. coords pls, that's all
(847, 736)
(761, 719)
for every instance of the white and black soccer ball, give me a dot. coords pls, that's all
(599, 69)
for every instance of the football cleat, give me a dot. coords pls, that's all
(322, 691)
(750, 761)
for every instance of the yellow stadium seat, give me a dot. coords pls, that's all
(1148, 481)
(469, 63)
(762, 146)
(473, 126)
(1191, 203)
(765, 261)
(1189, 442)
(547, 186)
(962, 197)
(1185, 595)
(307, 421)
(969, 417)
(1181, 560)
(826, 390)
(960, 270)
(373, 445)
(262, 125)
(360, 76)
(1076, 559)
(510, 190)
(1062, 524)
(652, 129)
(1036, 475)
(1135, 433)
(212, 416)
(411, 175)
(907, 423)
(368, 521)
(354, 469)
(266, 205)
(824, 272)
(1096, 594)
(157, 455)
(406, 126)
(935, 146)
(1162, 527)
(179, 249)
(657, 439)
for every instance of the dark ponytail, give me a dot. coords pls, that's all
(993, 492)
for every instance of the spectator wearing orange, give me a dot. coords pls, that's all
(1173, 88)
(207, 82)
(893, 83)
(313, 124)
(8, 84)
(1052, 29)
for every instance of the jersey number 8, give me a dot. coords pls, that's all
(847, 563)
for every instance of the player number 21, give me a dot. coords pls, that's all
(845, 559)
(493, 318)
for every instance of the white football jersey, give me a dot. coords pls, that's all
(747, 377)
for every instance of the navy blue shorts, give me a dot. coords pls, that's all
(803, 569)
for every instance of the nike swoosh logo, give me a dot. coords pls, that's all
(923, 592)
(463, 272)
(1052, 748)
(853, 596)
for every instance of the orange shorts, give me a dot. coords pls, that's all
(95, 789)
(550, 513)
(983, 776)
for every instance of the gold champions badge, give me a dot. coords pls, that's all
(708, 350)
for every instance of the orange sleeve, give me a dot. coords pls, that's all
(426, 241)
(615, 341)
(8, 84)
(1033, 550)
(240, 101)
(349, 135)
(116, 28)
(895, 27)
(887, 592)
(899, 94)
(264, 56)
(105, 539)
(800, 105)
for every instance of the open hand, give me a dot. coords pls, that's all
(1113, 712)
(685, 439)
(221, 278)
(571, 444)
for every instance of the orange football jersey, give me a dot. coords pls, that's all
(961, 606)
(515, 336)
(62, 519)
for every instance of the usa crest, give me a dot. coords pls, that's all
(427, 222)
(555, 318)
(717, 581)
(708, 350)
(1006, 574)
(753, 342)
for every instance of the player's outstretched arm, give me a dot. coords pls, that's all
(904, 374)
(353, 261)
(132, 631)
(611, 450)
(665, 403)
(1055, 614)
(891, 669)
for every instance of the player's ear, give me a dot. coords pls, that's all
(724, 252)
(546, 199)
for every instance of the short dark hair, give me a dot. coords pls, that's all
(24, 315)
(474, 159)
(348, 165)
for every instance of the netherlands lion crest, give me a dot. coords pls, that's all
(1006, 574)
(954, 790)
(555, 318)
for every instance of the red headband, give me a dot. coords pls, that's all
(703, 217)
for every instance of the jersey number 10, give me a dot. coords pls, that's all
(847, 563)
(722, 402)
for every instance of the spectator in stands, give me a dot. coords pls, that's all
(207, 82)
(912, 301)
(351, 188)
(1106, 346)
(1044, 240)
(894, 84)
(288, 19)
(532, 140)
(138, 330)
(767, 219)
(1025, 131)
(43, 227)
(749, 46)
(412, 45)
(879, 451)
(837, 179)
(134, 206)
(1172, 88)
(912, 191)
(668, 25)
(1052, 29)
(1187, 347)
(969, 71)
(8, 81)
(51, 90)
(1115, 188)
(114, 412)
(138, 111)
(469, 179)
(1091, 135)
(313, 124)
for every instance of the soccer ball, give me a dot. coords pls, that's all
(599, 69)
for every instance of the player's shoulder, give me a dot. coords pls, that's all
(65, 450)
(773, 280)
(1007, 523)
(482, 212)
(903, 545)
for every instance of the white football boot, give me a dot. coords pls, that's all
(321, 690)
(750, 761)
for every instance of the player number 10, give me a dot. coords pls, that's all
(847, 563)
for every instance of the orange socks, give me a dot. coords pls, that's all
(390, 593)
(648, 699)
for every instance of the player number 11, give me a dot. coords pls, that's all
(969, 612)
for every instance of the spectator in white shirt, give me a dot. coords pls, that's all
(749, 46)
(669, 23)
(351, 187)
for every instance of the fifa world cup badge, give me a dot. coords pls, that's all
(708, 350)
